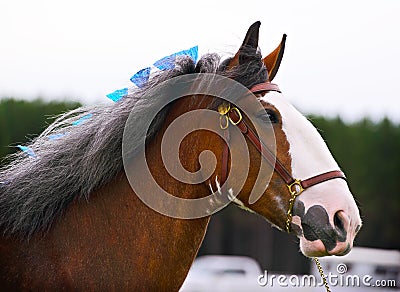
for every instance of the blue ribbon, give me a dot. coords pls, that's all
(27, 150)
(55, 136)
(192, 53)
(82, 120)
(168, 62)
(118, 94)
(141, 77)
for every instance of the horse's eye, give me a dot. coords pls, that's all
(268, 116)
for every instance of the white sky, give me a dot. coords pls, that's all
(342, 57)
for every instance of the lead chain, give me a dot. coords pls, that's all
(289, 220)
(321, 272)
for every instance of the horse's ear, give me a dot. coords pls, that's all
(250, 42)
(273, 60)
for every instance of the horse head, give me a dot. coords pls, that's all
(324, 216)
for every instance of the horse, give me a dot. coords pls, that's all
(72, 220)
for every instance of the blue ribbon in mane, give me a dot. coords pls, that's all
(27, 150)
(82, 119)
(141, 77)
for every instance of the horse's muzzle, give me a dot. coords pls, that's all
(322, 236)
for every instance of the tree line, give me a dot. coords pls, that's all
(368, 152)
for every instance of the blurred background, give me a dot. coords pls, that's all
(340, 68)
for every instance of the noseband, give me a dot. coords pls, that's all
(232, 115)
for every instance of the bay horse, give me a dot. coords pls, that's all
(71, 220)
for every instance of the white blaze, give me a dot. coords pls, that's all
(310, 155)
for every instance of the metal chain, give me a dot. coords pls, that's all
(290, 212)
(321, 272)
(295, 189)
(294, 194)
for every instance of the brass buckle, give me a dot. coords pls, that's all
(295, 188)
(239, 114)
(224, 109)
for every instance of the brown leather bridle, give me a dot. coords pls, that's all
(295, 186)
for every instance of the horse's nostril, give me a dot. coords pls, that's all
(338, 221)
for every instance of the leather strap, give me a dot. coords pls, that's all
(265, 86)
(312, 181)
(265, 152)
(225, 160)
